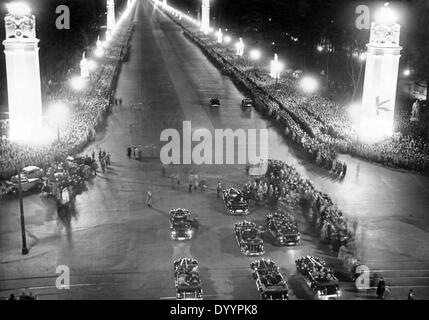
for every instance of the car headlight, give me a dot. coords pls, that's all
(189, 232)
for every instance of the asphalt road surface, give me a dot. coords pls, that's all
(118, 248)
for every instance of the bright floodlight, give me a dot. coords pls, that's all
(255, 54)
(309, 84)
(227, 39)
(386, 15)
(58, 112)
(407, 72)
(77, 83)
(18, 9)
(91, 65)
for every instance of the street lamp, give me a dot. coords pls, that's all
(24, 250)
(407, 72)
(227, 39)
(309, 84)
(58, 114)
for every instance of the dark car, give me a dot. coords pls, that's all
(249, 238)
(269, 281)
(246, 103)
(283, 228)
(235, 201)
(187, 279)
(319, 277)
(214, 102)
(182, 226)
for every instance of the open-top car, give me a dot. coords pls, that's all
(214, 102)
(235, 201)
(284, 228)
(269, 281)
(246, 103)
(319, 277)
(187, 279)
(182, 226)
(248, 236)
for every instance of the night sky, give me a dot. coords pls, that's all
(265, 21)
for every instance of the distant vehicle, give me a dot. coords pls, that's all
(269, 281)
(246, 103)
(319, 277)
(182, 226)
(214, 102)
(249, 239)
(235, 201)
(284, 229)
(187, 279)
(31, 172)
(297, 74)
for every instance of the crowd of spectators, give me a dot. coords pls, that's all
(287, 185)
(322, 127)
(87, 111)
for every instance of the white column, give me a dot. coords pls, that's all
(84, 70)
(111, 20)
(381, 77)
(23, 74)
(219, 36)
(205, 16)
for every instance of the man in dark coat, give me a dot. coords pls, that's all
(381, 288)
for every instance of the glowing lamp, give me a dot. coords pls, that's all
(309, 85)
(255, 54)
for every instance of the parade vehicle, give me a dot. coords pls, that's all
(284, 228)
(187, 279)
(182, 226)
(249, 239)
(235, 201)
(246, 103)
(319, 277)
(269, 281)
(214, 102)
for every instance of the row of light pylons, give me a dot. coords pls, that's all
(276, 66)
(86, 65)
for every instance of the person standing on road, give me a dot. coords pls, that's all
(381, 288)
(219, 189)
(191, 178)
(149, 199)
(411, 295)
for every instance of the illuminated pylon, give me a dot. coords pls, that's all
(205, 16)
(219, 36)
(240, 47)
(23, 73)
(111, 20)
(381, 77)
(84, 69)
